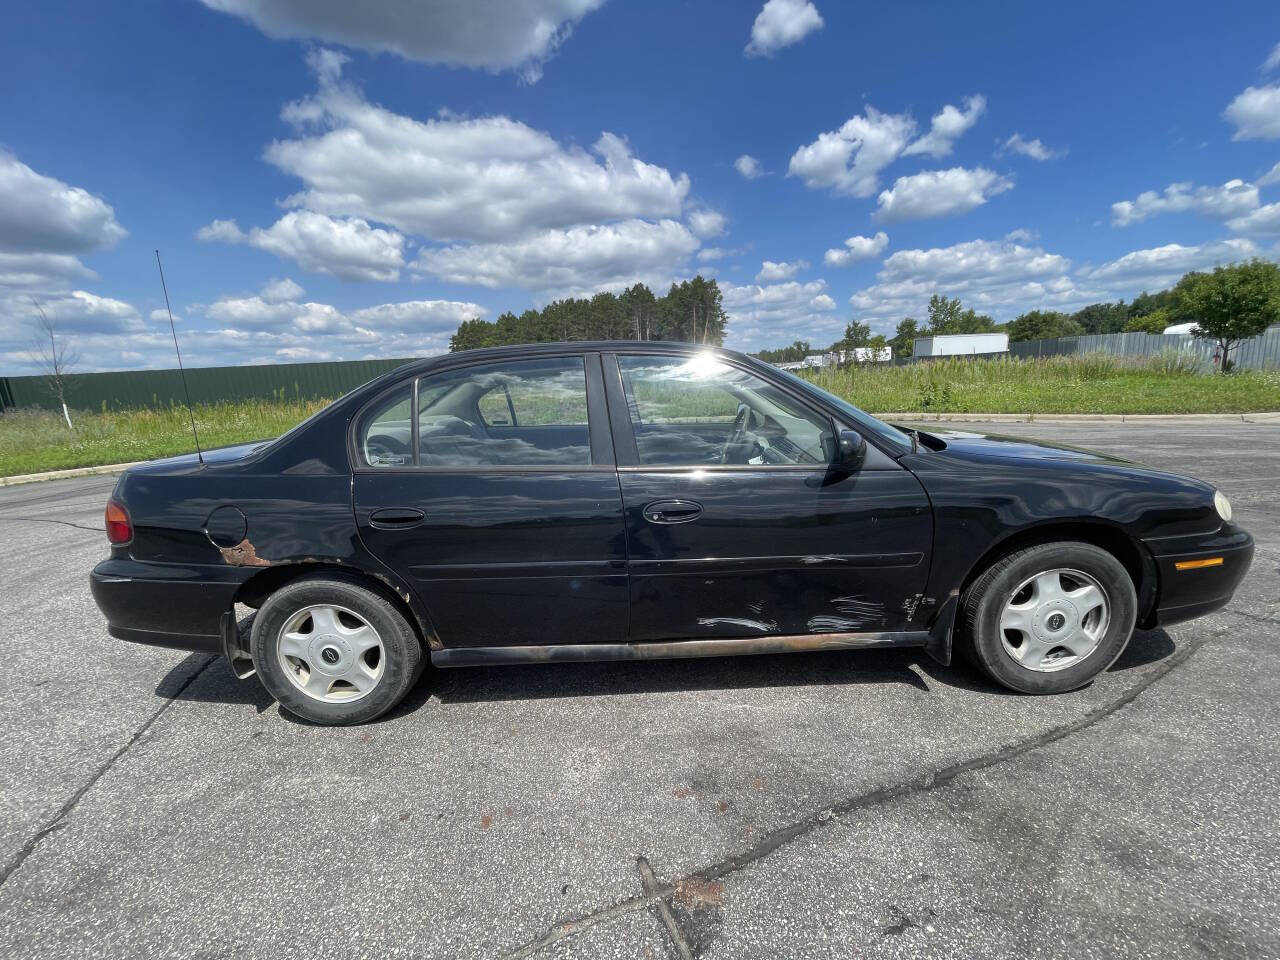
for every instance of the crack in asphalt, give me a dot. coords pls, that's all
(923, 783)
(650, 884)
(58, 821)
(65, 523)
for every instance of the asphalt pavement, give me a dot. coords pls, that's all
(819, 805)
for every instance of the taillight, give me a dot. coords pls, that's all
(119, 527)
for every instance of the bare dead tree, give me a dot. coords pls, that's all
(52, 354)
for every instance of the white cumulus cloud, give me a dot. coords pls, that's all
(780, 23)
(707, 223)
(1035, 149)
(579, 260)
(348, 248)
(1273, 61)
(1255, 113)
(947, 126)
(855, 249)
(763, 315)
(748, 166)
(849, 160)
(454, 178)
(772, 271)
(1233, 198)
(490, 34)
(940, 193)
(1163, 266)
(45, 224)
(1264, 221)
(1271, 177)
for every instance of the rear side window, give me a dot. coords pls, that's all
(514, 413)
(386, 431)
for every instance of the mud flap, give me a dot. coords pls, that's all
(234, 649)
(942, 630)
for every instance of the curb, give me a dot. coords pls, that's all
(67, 474)
(903, 417)
(1081, 417)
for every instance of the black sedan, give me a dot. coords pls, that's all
(606, 501)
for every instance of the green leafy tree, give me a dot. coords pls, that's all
(903, 341)
(1102, 317)
(855, 335)
(948, 317)
(1153, 322)
(1233, 303)
(1043, 325)
(796, 352)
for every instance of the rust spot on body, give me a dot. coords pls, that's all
(243, 555)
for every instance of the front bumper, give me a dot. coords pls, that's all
(165, 605)
(1198, 590)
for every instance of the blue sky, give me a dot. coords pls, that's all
(329, 180)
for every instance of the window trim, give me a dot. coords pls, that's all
(625, 437)
(599, 437)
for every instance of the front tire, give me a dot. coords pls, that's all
(332, 651)
(1049, 618)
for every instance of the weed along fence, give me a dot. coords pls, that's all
(1260, 353)
(155, 389)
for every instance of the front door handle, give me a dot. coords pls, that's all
(396, 518)
(672, 511)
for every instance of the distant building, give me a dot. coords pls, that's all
(961, 345)
(833, 358)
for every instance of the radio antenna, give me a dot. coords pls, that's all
(185, 389)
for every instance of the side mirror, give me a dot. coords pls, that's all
(851, 450)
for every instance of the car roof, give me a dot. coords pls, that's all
(524, 351)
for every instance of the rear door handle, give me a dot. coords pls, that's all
(396, 518)
(672, 511)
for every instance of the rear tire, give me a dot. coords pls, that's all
(1048, 618)
(333, 651)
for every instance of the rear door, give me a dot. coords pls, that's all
(492, 489)
(737, 526)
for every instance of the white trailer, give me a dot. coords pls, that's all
(961, 345)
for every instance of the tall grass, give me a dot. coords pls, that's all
(35, 440)
(1084, 383)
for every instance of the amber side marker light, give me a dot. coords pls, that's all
(1198, 564)
(119, 527)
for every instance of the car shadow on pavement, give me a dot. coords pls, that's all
(218, 684)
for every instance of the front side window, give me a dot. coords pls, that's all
(511, 413)
(688, 411)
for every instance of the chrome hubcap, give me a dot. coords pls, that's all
(1054, 620)
(330, 653)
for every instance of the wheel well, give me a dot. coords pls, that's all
(1115, 541)
(254, 591)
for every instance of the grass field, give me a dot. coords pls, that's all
(35, 440)
(1090, 383)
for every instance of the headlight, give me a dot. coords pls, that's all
(1222, 505)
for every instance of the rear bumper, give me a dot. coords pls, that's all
(164, 605)
(1199, 590)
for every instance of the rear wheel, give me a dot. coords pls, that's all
(333, 651)
(1049, 618)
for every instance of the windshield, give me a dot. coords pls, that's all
(895, 438)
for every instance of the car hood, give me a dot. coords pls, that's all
(187, 462)
(1001, 446)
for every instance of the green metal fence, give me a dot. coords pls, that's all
(162, 388)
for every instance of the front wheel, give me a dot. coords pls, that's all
(333, 651)
(1049, 618)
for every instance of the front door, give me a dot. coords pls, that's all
(495, 496)
(735, 524)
